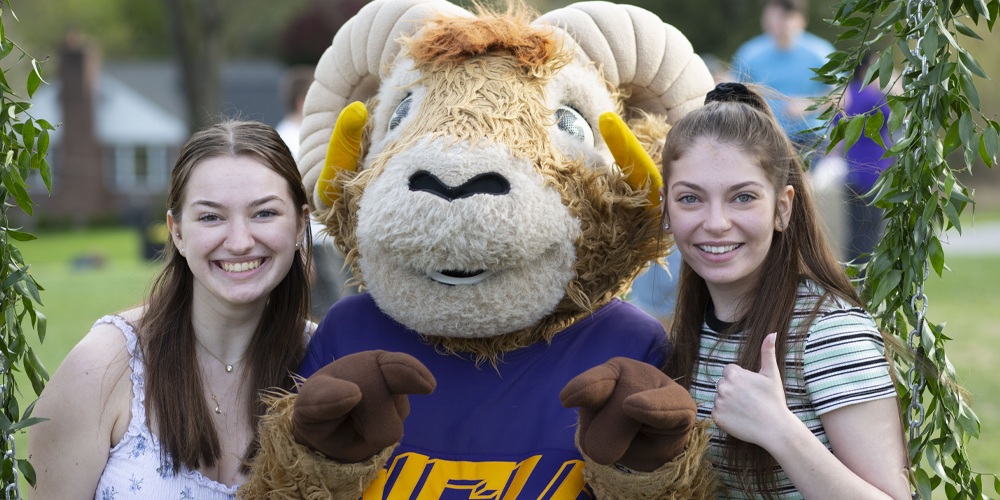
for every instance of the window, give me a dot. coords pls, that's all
(141, 168)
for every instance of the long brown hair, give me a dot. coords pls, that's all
(799, 252)
(174, 390)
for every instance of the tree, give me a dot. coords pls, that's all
(197, 27)
(939, 112)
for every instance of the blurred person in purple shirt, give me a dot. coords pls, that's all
(864, 163)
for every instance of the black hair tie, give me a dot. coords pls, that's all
(731, 92)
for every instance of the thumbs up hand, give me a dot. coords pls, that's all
(751, 406)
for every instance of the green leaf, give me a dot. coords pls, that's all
(873, 128)
(965, 30)
(885, 285)
(14, 277)
(897, 110)
(991, 141)
(41, 325)
(19, 236)
(33, 290)
(870, 74)
(43, 143)
(897, 148)
(929, 44)
(923, 484)
(952, 141)
(34, 80)
(46, 175)
(936, 255)
(28, 422)
(970, 9)
(27, 471)
(892, 17)
(853, 132)
(37, 364)
(981, 8)
(885, 63)
(952, 215)
(848, 34)
(934, 461)
(969, 89)
(996, 484)
(28, 134)
(971, 63)
(965, 127)
(968, 420)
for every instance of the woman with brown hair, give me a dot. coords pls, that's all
(769, 336)
(162, 401)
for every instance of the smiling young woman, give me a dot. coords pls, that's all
(163, 400)
(769, 336)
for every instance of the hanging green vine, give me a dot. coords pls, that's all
(938, 114)
(22, 151)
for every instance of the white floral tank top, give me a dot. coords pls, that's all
(134, 468)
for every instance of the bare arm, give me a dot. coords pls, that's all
(870, 461)
(87, 403)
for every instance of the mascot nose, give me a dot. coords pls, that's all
(488, 183)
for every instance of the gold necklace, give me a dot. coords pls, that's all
(218, 407)
(229, 366)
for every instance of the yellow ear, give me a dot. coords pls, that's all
(342, 152)
(631, 157)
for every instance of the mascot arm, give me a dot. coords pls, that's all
(329, 438)
(639, 434)
(287, 470)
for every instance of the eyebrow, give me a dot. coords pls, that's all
(734, 187)
(255, 203)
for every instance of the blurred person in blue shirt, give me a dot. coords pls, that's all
(655, 290)
(781, 59)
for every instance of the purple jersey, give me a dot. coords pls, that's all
(488, 432)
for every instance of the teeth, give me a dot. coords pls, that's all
(711, 249)
(240, 267)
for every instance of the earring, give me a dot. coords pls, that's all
(181, 251)
(178, 233)
(781, 224)
(666, 226)
(297, 244)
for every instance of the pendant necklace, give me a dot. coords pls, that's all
(229, 366)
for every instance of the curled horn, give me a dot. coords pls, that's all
(637, 52)
(350, 70)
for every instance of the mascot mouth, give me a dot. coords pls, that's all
(458, 277)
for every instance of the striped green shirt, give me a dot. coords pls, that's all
(836, 361)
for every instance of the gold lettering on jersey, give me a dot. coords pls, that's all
(415, 476)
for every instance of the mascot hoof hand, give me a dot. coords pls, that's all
(354, 407)
(631, 413)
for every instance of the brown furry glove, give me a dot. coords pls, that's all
(354, 407)
(631, 414)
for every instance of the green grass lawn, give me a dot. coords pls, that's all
(966, 298)
(74, 298)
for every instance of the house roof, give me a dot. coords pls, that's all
(142, 102)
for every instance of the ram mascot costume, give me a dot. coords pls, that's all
(494, 205)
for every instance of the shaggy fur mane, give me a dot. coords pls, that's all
(454, 39)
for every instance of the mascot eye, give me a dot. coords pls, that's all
(401, 111)
(572, 122)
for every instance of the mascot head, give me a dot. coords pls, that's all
(486, 211)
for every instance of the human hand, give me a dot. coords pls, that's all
(748, 405)
(354, 407)
(631, 413)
